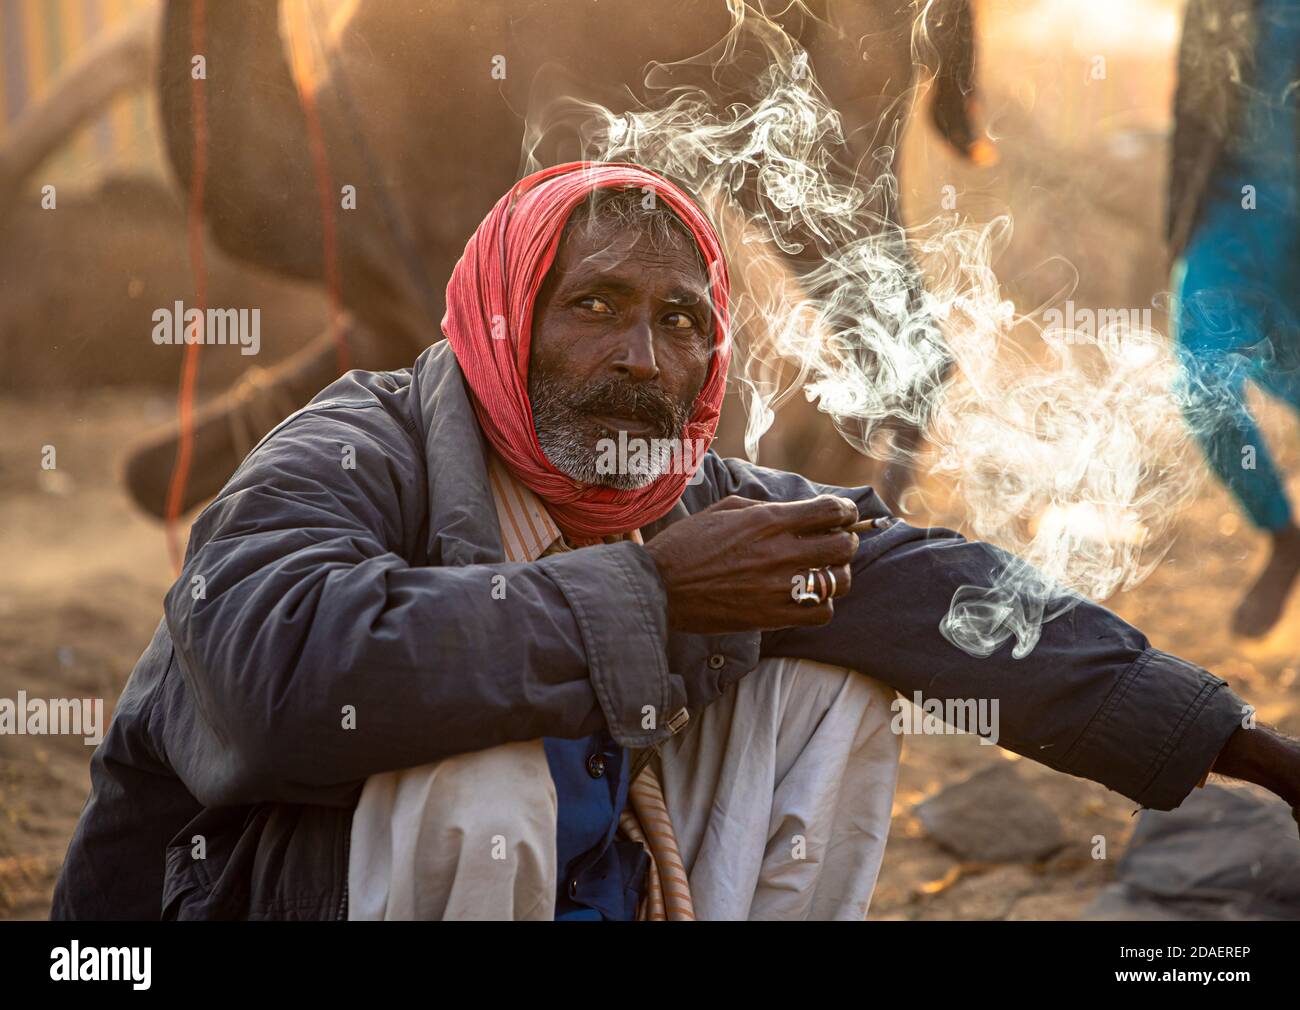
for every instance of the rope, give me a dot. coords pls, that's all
(324, 188)
(194, 227)
(257, 404)
(256, 379)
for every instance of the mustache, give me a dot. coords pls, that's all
(643, 401)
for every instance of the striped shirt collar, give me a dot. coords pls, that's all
(527, 529)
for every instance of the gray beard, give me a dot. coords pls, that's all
(571, 442)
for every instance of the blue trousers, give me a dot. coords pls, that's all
(1237, 286)
(1236, 317)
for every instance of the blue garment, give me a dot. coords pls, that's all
(599, 876)
(1237, 286)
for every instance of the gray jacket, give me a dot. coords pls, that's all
(332, 622)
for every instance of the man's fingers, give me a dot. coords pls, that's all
(814, 515)
(826, 583)
(831, 581)
(732, 501)
(816, 616)
(821, 551)
(792, 614)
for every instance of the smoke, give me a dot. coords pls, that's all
(1073, 458)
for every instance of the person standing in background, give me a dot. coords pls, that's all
(1234, 236)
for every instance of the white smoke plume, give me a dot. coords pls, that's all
(1074, 459)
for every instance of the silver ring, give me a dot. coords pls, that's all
(830, 575)
(810, 598)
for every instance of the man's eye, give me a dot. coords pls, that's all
(680, 321)
(595, 304)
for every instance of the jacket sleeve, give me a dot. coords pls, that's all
(1092, 698)
(317, 656)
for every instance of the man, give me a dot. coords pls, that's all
(1235, 237)
(431, 656)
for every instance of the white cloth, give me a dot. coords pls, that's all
(780, 795)
(468, 837)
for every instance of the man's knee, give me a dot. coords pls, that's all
(471, 836)
(501, 797)
(810, 692)
(831, 685)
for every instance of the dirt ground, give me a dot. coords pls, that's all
(83, 575)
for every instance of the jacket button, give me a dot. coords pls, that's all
(596, 765)
(573, 888)
(717, 661)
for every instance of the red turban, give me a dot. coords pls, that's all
(491, 294)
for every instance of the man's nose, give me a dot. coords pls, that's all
(635, 358)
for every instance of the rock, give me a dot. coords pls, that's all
(993, 817)
(1223, 855)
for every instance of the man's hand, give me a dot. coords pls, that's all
(1266, 757)
(733, 566)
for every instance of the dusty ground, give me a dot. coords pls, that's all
(82, 577)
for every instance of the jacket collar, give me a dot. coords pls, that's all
(463, 526)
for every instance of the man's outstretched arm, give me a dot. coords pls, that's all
(1262, 755)
(1093, 698)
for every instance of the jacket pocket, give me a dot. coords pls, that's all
(270, 861)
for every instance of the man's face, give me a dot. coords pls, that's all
(622, 334)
